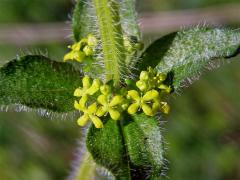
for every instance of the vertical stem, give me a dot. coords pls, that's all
(112, 38)
(87, 168)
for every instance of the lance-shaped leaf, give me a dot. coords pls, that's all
(38, 82)
(131, 148)
(188, 52)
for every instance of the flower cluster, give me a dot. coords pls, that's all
(98, 99)
(82, 49)
(149, 97)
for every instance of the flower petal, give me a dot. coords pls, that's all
(82, 101)
(92, 40)
(77, 106)
(78, 56)
(101, 111)
(78, 92)
(92, 108)
(132, 109)
(144, 75)
(68, 56)
(115, 115)
(147, 110)
(165, 108)
(88, 50)
(102, 99)
(141, 85)
(156, 107)
(94, 87)
(116, 100)
(105, 89)
(96, 121)
(86, 82)
(76, 46)
(133, 94)
(150, 95)
(82, 121)
(165, 88)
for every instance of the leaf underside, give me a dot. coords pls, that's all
(38, 82)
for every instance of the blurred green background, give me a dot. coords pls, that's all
(202, 133)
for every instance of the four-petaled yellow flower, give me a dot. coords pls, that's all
(89, 114)
(110, 107)
(87, 89)
(142, 102)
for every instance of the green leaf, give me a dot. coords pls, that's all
(128, 17)
(83, 20)
(131, 148)
(131, 30)
(144, 143)
(155, 52)
(188, 52)
(107, 148)
(38, 82)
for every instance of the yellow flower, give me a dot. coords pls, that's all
(78, 45)
(74, 55)
(159, 78)
(87, 89)
(89, 114)
(143, 83)
(165, 108)
(88, 50)
(109, 107)
(81, 49)
(105, 89)
(165, 88)
(142, 101)
(144, 76)
(92, 40)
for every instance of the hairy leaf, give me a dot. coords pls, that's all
(129, 18)
(188, 52)
(144, 144)
(83, 19)
(132, 147)
(155, 52)
(38, 82)
(107, 148)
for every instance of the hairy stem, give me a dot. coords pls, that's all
(87, 168)
(111, 37)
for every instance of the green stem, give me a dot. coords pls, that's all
(87, 168)
(111, 37)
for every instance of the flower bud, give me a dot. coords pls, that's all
(144, 76)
